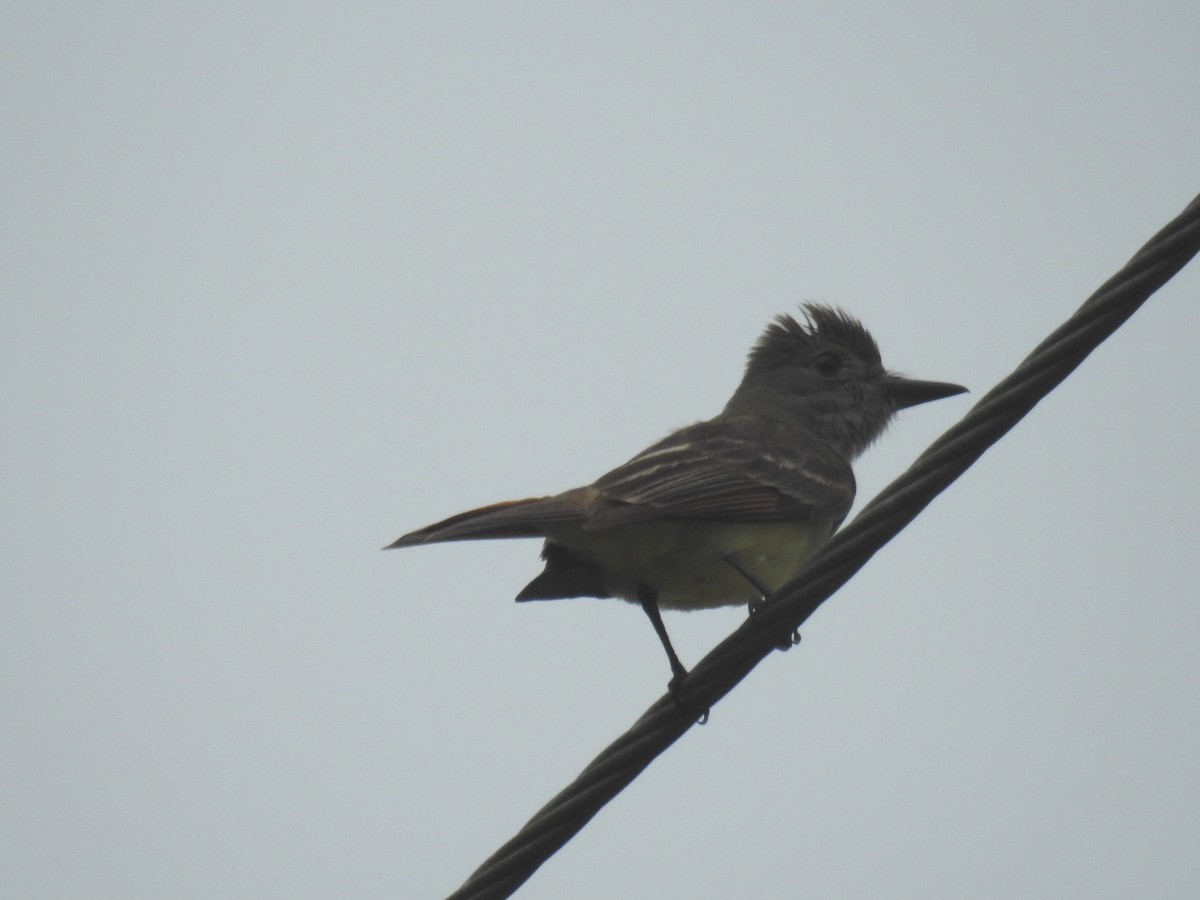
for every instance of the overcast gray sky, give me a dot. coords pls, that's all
(283, 281)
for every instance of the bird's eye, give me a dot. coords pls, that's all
(828, 364)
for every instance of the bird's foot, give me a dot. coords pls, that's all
(678, 691)
(756, 606)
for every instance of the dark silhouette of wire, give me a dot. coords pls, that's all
(772, 626)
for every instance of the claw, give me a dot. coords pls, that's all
(793, 640)
(676, 689)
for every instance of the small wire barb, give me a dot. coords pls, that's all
(774, 623)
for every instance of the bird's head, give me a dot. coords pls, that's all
(825, 374)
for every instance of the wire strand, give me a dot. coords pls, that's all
(837, 561)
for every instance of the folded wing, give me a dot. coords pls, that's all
(757, 471)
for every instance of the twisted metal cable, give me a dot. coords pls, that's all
(846, 552)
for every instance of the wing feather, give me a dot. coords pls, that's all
(745, 470)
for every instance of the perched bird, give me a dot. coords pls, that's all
(725, 511)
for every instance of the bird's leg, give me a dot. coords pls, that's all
(649, 600)
(648, 597)
(761, 600)
(763, 591)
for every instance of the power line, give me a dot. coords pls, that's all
(846, 552)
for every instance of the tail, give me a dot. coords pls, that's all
(510, 519)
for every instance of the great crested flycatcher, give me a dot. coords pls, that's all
(724, 511)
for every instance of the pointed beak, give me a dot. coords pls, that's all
(906, 392)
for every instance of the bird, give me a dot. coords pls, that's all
(724, 511)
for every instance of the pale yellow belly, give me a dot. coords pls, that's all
(684, 561)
